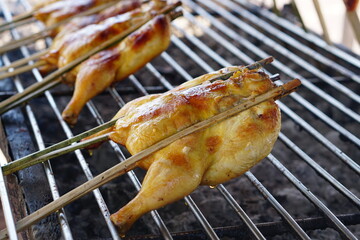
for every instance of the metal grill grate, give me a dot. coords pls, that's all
(307, 188)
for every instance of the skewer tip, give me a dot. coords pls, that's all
(288, 88)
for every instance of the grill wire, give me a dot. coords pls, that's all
(308, 184)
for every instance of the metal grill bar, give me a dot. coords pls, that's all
(47, 167)
(5, 202)
(296, 44)
(165, 232)
(196, 211)
(318, 169)
(337, 223)
(201, 62)
(278, 207)
(283, 50)
(221, 188)
(303, 102)
(249, 223)
(221, 61)
(324, 174)
(282, 67)
(263, 190)
(83, 163)
(301, 33)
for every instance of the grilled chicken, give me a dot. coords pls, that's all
(80, 22)
(77, 38)
(60, 10)
(208, 157)
(116, 63)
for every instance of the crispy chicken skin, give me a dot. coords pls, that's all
(82, 34)
(60, 10)
(209, 157)
(115, 64)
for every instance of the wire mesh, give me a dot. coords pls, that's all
(317, 148)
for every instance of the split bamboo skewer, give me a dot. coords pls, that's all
(41, 156)
(298, 15)
(353, 18)
(53, 78)
(16, 24)
(18, 18)
(24, 61)
(22, 70)
(130, 163)
(275, 8)
(355, 23)
(45, 32)
(34, 158)
(322, 22)
(37, 64)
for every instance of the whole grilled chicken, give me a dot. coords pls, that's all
(116, 63)
(208, 157)
(71, 43)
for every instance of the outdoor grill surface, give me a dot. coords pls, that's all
(307, 187)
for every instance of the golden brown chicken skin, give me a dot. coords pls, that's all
(115, 64)
(61, 10)
(82, 34)
(211, 156)
(82, 41)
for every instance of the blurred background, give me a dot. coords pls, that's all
(335, 18)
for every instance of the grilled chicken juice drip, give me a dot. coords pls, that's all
(116, 63)
(209, 157)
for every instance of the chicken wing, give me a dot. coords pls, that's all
(115, 64)
(209, 157)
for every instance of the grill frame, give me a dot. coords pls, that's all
(179, 43)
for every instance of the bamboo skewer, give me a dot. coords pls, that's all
(53, 78)
(33, 57)
(23, 16)
(355, 23)
(18, 18)
(16, 24)
(322, 22)
(24, 61)
(298, 15)
(22, 69)
(41, 156)
(130, 163)
(353, 17)
(45, 32)
(34, 158)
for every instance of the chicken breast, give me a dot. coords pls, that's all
(209, 157)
